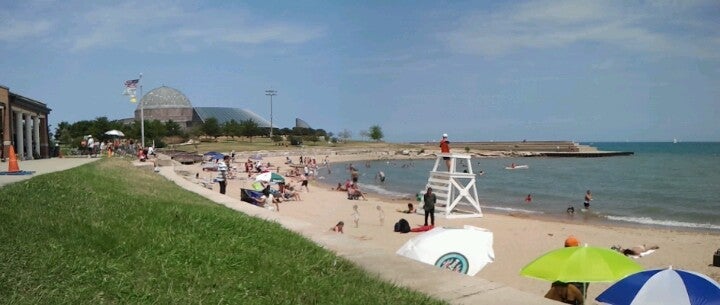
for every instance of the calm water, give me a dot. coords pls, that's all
(663, 184)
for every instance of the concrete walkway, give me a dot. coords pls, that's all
(449, 286)
(41, 166)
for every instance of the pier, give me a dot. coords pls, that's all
(535, 148)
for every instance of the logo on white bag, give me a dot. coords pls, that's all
(453, 261)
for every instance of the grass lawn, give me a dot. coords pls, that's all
(107, 232)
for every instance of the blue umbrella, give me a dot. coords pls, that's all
(663, 286)
(214, 155)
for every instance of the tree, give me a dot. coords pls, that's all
(249, 128)
(211, 128)
(376, 133)
(364, 134)
(232, 128)
(345, 135)
(172, 128)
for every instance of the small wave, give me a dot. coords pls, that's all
(511, 209)
(668, 223)
(379, 190)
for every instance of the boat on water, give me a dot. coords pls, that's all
(675, 141)
(517, 167)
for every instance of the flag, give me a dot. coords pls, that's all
(130, 87)
(131, 83)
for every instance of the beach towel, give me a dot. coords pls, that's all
(421, 228)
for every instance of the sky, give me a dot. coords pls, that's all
(477, 70)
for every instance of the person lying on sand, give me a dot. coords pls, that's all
(410, 209)
(634, 251)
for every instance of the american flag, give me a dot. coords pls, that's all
(131, 84)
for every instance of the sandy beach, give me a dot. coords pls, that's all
(518, 239)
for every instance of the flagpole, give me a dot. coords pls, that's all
(142, 116)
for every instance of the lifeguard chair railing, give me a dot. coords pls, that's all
(455, 190)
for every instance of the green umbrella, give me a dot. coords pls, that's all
(581, 264)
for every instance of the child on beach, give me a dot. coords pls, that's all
(410, 209)
(338, 227)
(356, 215)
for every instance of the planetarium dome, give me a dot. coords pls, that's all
(164, 97)
(165, 104)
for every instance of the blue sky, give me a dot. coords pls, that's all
(477, 70)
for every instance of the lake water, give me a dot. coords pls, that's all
(662, 184)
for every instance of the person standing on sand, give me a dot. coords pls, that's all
(222, 174)
(429, 199)
(445, 149)
(588, 198)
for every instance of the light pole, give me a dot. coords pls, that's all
(142, 116)
(271, 93)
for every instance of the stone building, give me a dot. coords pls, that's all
(24, 125)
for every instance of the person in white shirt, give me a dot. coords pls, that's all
(222, 173)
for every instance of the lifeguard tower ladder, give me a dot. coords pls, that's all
(455, 190)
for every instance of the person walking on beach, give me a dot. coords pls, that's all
(445, 149)
(588, 198)
(430, 199)
(222, 173)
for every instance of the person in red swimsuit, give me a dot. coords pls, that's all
(445, 149)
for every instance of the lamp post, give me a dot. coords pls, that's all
(142, 116)
(271, 93)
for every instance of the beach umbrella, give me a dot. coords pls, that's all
(270, 177)
(213, 155)
(464, 250)
(584, 264)
(114, 132)
(663, 286)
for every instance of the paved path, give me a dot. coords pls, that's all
(41, 166)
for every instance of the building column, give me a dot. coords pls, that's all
(28, 136)
(44, 138)
(36, 134)
(19, 141)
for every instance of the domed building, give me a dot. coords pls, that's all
(165, 103)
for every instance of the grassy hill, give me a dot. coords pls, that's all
(107, 232)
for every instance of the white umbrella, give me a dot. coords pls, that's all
(465, 250)
(115, 133)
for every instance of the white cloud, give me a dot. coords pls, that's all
(155, 26)
(658, 29)
(13, 30)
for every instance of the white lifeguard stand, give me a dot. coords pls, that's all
(455, 191)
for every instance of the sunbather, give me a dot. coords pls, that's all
(634, 251)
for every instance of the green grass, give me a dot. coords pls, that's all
(108, 233)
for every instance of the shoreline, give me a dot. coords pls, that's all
(577, 218)
(517, 239)
(557, 218)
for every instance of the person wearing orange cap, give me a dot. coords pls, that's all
(572, 241)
